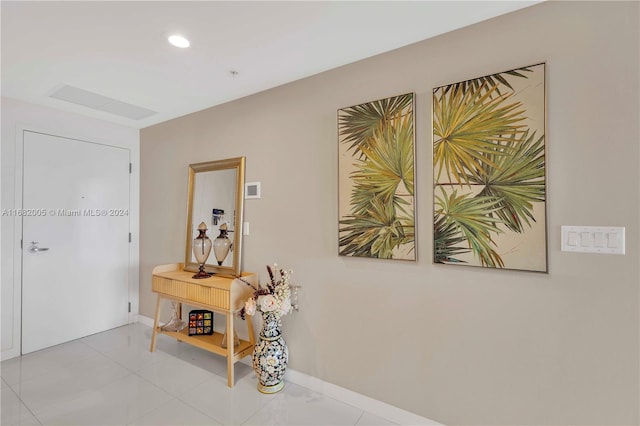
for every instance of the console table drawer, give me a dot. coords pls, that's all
(212, 296)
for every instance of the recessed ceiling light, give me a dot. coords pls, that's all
(179, 41)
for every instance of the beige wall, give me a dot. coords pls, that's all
(455, 344)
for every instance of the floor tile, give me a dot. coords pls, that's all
(118, 403)
(135, 357)
(369, 419)
(241, 371)
(170, 345)
(296, 405)
(13, 411)
(41, 362)
(121, 337)
(175, 412)
(111, 378)
(206, 360)
(174, 375)
(227, 405)
(65, 381)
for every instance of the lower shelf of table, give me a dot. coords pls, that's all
(211, 343)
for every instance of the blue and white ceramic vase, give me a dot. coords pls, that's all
(270, 355)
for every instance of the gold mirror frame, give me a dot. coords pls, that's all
(238, 164)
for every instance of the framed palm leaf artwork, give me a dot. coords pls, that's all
(376, 179)
(489, 148)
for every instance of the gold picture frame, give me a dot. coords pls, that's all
(376, 174)
(489, 171)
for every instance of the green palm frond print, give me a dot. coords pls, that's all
(357, 124)
(376, 169)
(489, 171)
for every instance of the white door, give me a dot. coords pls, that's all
(76, 205)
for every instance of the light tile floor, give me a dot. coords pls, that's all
(111, 378)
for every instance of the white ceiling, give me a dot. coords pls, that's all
(118, 49)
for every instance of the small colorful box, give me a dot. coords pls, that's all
(200, 322)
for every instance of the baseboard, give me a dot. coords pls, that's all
(145, 320)
(373, 406)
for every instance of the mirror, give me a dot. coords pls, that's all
(216, 197)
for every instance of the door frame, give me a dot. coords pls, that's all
(133, 270)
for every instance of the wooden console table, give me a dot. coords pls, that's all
(219, 294)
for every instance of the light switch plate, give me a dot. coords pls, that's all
(593, 239)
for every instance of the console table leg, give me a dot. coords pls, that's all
(230, 349)
(155, 326)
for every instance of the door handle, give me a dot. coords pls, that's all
(35, 249)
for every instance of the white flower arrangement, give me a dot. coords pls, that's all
(275, 297)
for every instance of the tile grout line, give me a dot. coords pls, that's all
(262, 408)
(22, 402)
